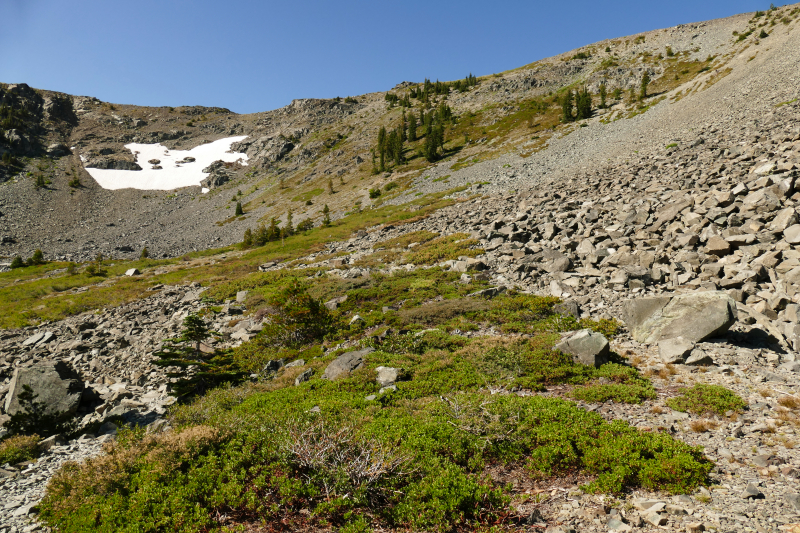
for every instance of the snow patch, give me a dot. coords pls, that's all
(176, 170)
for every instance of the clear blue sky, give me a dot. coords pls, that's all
(257, 55)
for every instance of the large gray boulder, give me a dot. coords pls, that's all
(346, 363)
(57, 385)
(586, 347)
(695, 317)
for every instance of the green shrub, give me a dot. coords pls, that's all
(19, 448)
(374, 193)
(17, 262)
(36, 259)
(443, 249)
(704, 399)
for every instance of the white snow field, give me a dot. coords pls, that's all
(176, 171)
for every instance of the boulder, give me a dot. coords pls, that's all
(57, 385)
(792, 234)
(695, 317)
(132, 272)
(388, 375)
(586, 347)
(346, 363)
(675, 350)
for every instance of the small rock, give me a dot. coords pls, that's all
(305, 376)
(751, 492)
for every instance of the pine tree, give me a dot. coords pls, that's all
(403, 136)
(239, 210)
(330, 181)
(412, 127)
(17, 262)
(583, 105)
(247, 241)
(645, 83)
(212, 369)
(326, 216)
(260, 236)
(289, 228)
(603, 95)
(274, 231)
(566, 107)
(145, 253)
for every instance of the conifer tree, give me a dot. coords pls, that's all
(326, 216)
(184, 351)
(643, 88)
(145, 253)
(239, 211)
(566, 106)
(412, 127)
(247, 241)
(583, 104)
(603, 95)
(403, 136)
(289, 227)
(273, 232)
(260, 237)
(330, 181)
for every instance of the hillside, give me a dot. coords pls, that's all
(541, 323)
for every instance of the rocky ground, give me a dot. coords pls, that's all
(698, 194)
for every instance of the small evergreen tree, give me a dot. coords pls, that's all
(37, 258)
(330, 181)
(212, 367)
(603, 95)
(247, 241)
(566, 106)
(274, 231)
(17, 262)
(643, 88)
(289, 227)
(412, 127)
(145, 253)
(583, 104)
(326, 216)
(239, 211)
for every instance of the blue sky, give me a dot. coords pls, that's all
(253, 56)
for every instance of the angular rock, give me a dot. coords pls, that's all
(346, 363)
(305, 376)
(674, 351)
(388, 375)
(132, 272)
(57, 385)
(792, 234)
(694, 316)
(586, 347)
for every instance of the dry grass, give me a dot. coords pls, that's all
(703, 425)
(767, 393)
(658, 410)
(790, 402)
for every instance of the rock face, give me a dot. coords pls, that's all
(56, 384)
(695, 317)
(346, 363)
(586, 347)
